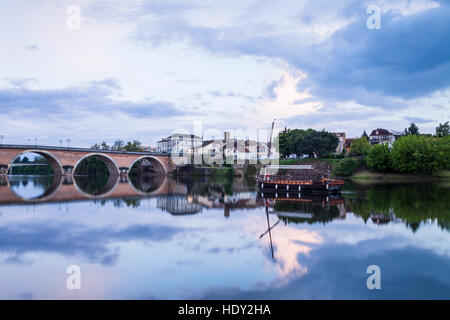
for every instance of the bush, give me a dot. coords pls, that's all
(379, 158)
(345, 167)
(416, 154)
(443, 152)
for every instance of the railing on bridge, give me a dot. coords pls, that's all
(37, 147)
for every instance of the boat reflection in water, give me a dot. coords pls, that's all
(299, 208)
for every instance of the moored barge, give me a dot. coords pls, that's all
(268, 183)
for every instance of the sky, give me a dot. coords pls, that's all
(146, 69)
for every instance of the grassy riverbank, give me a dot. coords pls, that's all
(363, 174)
(366, 175)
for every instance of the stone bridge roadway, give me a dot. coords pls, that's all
(65, 188)
(64, 161)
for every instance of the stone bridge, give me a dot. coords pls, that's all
(65, 161)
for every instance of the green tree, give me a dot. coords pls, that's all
(365, 135)
(133, 146)
(416, 154)
(360, 146)
(318, 143)
(379, 158)
(345, 167)
(118, 144)
(104, 146)
(413, 129)
(443, 151)
(443, 130)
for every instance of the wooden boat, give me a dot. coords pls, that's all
(267, 183)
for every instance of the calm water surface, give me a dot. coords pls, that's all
(147, 238)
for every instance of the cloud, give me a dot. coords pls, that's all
(418, 120)
(32, 47)
(18, 240)
(409, 57)
(334, 275)
(95, 97)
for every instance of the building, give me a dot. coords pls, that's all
(381, 136)
(348, 144)
(230, 150)
(341, 145)
(179, 143)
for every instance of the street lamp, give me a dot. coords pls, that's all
(61, 143)
(35, 142)
(1, 139)
(68, 142)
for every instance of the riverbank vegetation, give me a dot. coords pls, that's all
(409, 155)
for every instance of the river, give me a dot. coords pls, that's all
(196, 239)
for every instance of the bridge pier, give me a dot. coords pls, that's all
(67, 170)
(4, 169)
(123, 170)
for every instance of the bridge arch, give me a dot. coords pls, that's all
(110, 163)
(52, 160)
(152, 159)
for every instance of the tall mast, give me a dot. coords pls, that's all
(269, 145)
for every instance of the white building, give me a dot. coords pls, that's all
(230, 150)
(179, 143)
(381, 136)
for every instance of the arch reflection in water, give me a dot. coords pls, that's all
(34, 187)
(96, 185)
(146, 184)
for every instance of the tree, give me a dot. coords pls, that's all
(379, 158)
(118, 144)
(365, 135)
(416, 154)
(318, 143)
(104, 146)
(310, 141)
(360, 146)
(443, 130)
(133, 146)
(96, 146)
(413, 129)
(345, 167)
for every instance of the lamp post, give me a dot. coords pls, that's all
(1, 139)
(61, 143)
(68, 143)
